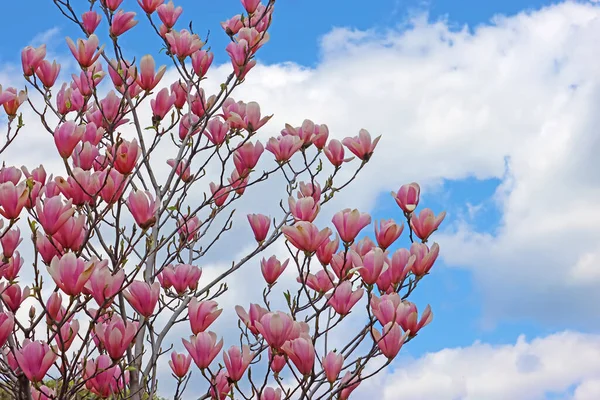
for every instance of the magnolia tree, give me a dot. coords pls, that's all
(101, 264)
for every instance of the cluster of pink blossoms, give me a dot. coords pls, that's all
(114, 283)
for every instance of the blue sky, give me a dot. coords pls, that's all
(485, 239)
(295, 34)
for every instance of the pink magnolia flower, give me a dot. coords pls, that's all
(48, 73)
(260, 226)
(149, 6)
(182, 44)
(67, 334)
(222, 386)
(276, 328)
(277, 362)
(10, 174)
(72, 234)
(162, 104)
(320, 137)
(202, 314)
(88, 80)
(250, 119)
(7, 96)
(84, 155)
(426, 223)
(302, 354)
(332, 365)
(85, 50)
(188, 228)
(93, 134)
(327, 249)
(305, 236)
(180, 277)
(112, 109)
(201, 61)
(371, 265)
(53, 214)
(46, 248)
(271, 394)
(391, 339)
(304, 209)
(343, 298)
(11, 101)
(424, 258)
(122, 22)
(70, 273)
(254, 37)
(180, 90)
(122, 72)
(90, 20)
(184, 174)
(147, 78)
(143, 297)
(305, 133)
(408, 197)
(238, 183)
(54, 308)
(219, 194)
(216, 131)
(103, 285)
(112, 185)
(169, 14)
(103, 378)
(143, 207)
(116, 335)
(81, 187)
(349, 382)
(69, 99)
(349, 223)
(251, 318)
(246, 157)
(386, 308)
(7, 323)
(126, 156)
(13, 296)
(323, 281)
(401, 264)
(10, 269)
(35, 359)
(43, 393)
(407, 317)
(284, 147)
(237, 361)
(180, 364)
(361, 145)
(203, 348)
(66, 137)
(250, 5)
(342, 263)
(272, 269)
(363, 246)
(112, 5)
(12, 199)
(387, 232)
(9, 241)
(239, 52)
(31, 58)
(308, 189)
(233, 25)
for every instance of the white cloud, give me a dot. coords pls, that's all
(527, 370)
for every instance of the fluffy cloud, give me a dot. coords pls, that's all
(542, 368)
(513, 100)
